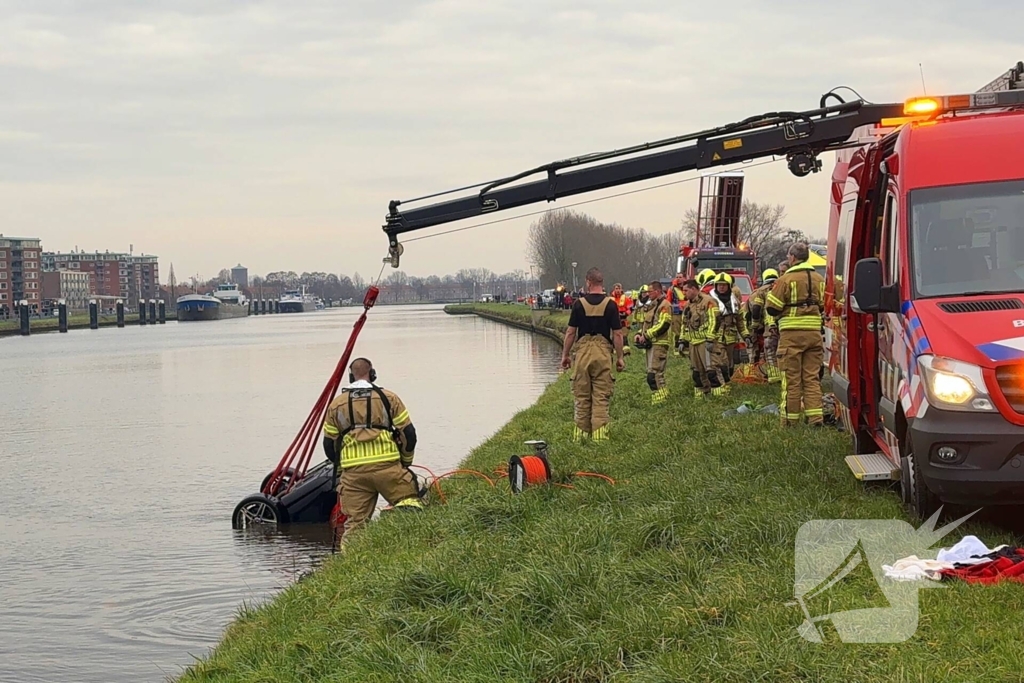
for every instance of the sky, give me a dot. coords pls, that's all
(273, 134)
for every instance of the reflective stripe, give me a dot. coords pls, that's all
(330, 430)
(380, 449)
(815, 412)
(800, 322)
(409, 503)
(775, 301)
(401, 417)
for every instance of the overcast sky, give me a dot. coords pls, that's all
(274, 133)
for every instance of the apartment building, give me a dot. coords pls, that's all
(126, 276)
(20, 272)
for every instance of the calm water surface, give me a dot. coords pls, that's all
(123, 453)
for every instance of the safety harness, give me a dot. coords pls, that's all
(359, 393)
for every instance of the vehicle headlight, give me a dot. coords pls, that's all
(955, 385)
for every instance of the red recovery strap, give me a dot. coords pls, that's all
(300, 452)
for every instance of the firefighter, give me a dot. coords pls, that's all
(677, 299)
(700, 317)
(730, 327)
(654, 335)
(797, 301)
(763, 324)
(369, 437)
(640, 307)
(623, 302)
(595, 330)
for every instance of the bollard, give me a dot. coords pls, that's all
(142, 311)
(94, 315)
(252, 307)
(62, 316)
(277, 305)
(120, 313)
(263, 306)
(163, 311)
(152, 311)
(23, 310)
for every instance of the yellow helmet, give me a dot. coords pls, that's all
(724, 277)
(705, 276)
(769, 274)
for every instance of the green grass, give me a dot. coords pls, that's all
(76, 321)
(680, 572)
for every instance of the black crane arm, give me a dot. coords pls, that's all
(800, 136)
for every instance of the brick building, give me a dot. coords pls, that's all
(75, 287)
(126, 276)
(20, 272)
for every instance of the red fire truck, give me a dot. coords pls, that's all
(925, 271)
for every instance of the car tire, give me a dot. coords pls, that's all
(913, 490)
(255, 511)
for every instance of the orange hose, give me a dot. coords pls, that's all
(473, 472)
(534, 469)
(595, 474)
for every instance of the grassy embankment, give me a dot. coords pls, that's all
(680, 572)
(77, 321)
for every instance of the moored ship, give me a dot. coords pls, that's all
(226, 302)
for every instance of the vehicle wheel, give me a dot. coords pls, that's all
(254, 511)
(913, 491)
(281, 484)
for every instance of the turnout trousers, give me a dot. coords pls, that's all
(675, 328)
(721, 357)
(360, 485)
(592, 385)
(657, 359)
(771, 351)
(707, 375)
(800, 356)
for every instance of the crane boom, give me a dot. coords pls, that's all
(799, 136)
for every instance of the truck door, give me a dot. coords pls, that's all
(878, 340)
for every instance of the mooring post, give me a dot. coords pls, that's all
(23, 311)
(94, 315)
(142, 311)
(120, 313)
(62, 316)
(277, 305)
(263, 306)
(163, 311)
(152, 311)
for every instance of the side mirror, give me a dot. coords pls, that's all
(869, 295)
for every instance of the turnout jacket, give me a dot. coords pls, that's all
(798, 299)
(700, 320)
(657, 322)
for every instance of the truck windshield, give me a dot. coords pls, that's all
(968, 239)
(726, 263)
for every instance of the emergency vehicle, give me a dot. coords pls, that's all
(926, 228)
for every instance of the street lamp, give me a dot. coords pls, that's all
(575, 286)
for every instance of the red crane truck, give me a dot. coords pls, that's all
(925, 274)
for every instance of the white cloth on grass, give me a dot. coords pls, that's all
(967, 551)
(914, 568)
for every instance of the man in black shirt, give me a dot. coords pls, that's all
(594, 332)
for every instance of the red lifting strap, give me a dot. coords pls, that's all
(300, 452)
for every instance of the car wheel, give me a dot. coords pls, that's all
(255, 511)
(913, 490)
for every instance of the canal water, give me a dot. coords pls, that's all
(124, 451)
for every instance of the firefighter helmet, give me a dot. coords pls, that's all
(723, 278)
(769, 274)
(705, 276)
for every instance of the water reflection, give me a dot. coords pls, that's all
(124, 452)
